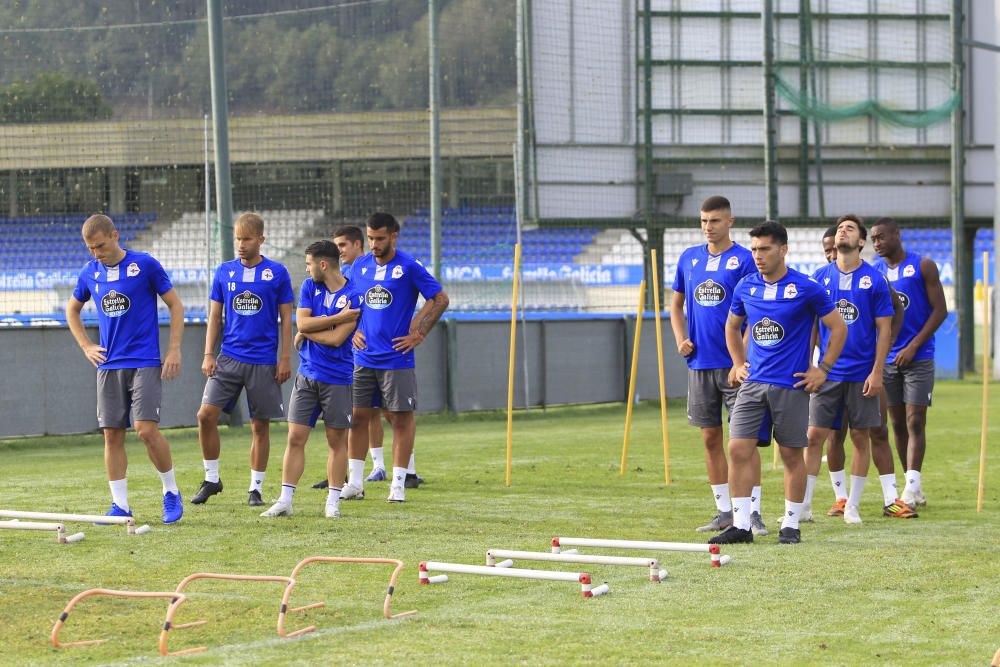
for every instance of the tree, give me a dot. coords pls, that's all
(52, 97)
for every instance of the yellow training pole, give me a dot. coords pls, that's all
(986, 375)
(632, 373)
(510, 366)
(659, 360)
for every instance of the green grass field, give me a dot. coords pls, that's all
(888, 592)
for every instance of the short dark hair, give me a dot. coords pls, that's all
(771, 228)
(382, 221)
(353, 233)
(324, 250)
(886, 222)
(856, 220)
(830, 231)
(715, 203)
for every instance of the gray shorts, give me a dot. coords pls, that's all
(707, 391)
(836, 400)
(311, 397)
(264, 398)
(394, 389)
(128, 392)
(789, 409)
(912, 385)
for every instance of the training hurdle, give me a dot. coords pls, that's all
(338, 559)
(127, 521)
(174, 596)
(655, 573)
(60, 530)
(717, 560)
(582, 578)
(168, 623)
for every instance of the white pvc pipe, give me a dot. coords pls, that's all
(600, 590)
(572, 558)
(634, 544)
(29, 525)
(460, 568)
(75, 537)
(56, 516)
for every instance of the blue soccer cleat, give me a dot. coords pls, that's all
(114, 511)
(378, 475)
(173, 509)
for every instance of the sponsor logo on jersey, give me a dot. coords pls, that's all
(733, 263)
(397, 272)
(97, 274)
(247, 303)
(790, 291)
(767, 332)
(115, 304)
(753, 290)
(364, 270)
(232, 273)
(132, 270)
(848, 311)
(903, 300)
(267, 274)
(709, 293)
(378, 297)
(908, 271)
(826, 281)
(865, 282)
(694, 262)
(342, 301)
(316, 293)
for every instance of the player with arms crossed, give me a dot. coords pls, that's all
(254, 291)
(780, 305)
(384, 368)
(124, 285)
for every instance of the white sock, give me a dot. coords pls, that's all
(913, 480)
(412, 468)
(889, 490)
(287, 493)
(256, 480)
(356, 473)
(332, 496)
(810, 489)
(211, 470)
(377, 460)
(741, 513)
(398, 476)
(119, 492)
(723, 503)
(839, 481)
(168, 481)
(755, 500)
(857, 487)
(792, 513)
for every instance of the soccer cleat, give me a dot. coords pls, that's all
(852, 515)
(757, 526)
(322, 484)
(351, 492)
(332, 512)
(789, 536)
(206, 491)
(720, 521)
(899, 510)
(397, 494)
(914, 498)
(732, 535)
(254, 499)
(838, 508)
(806, 514)
(115, 511)
(412, 480)
(278, 509)
(173, 508)
(378, 475)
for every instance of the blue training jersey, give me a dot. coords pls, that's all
(780, 317)
(707, 282)
(250, 296)
(325, 363)
(389, 294)
(908, 281)
(125, 296)
(860, 296)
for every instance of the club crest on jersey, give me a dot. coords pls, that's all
(790, 291)
(709, 293)
(908, 271)
(397, 272)
(115, 304)
(767, 332)
(342, 301)
(267, 274)
(865, 282)
(903, 300)
(848, 311)
(733, 263)
(132, 270)
(378, 297)
(247, 303)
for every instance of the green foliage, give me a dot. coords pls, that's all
(52, 96)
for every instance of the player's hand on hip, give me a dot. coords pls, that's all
(738, 374)
(811, 380)
(873, 384)
(686, 347)
(407, 343)
(284, 370)
(171, 365)
(208, 364)
(358, 341)
(95, 354)
(904, 357)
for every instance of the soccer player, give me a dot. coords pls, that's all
(854, 386)
(124, 285)
(780, 305)
(323, 383)
(835, 457)
(909, 375)
(384, 374)
(830, 244)
(254, 292)
(705, 278)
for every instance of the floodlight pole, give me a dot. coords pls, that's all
(961, 257)
(435, 113)
(770, 117)
(220, 128)
(996, 218)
